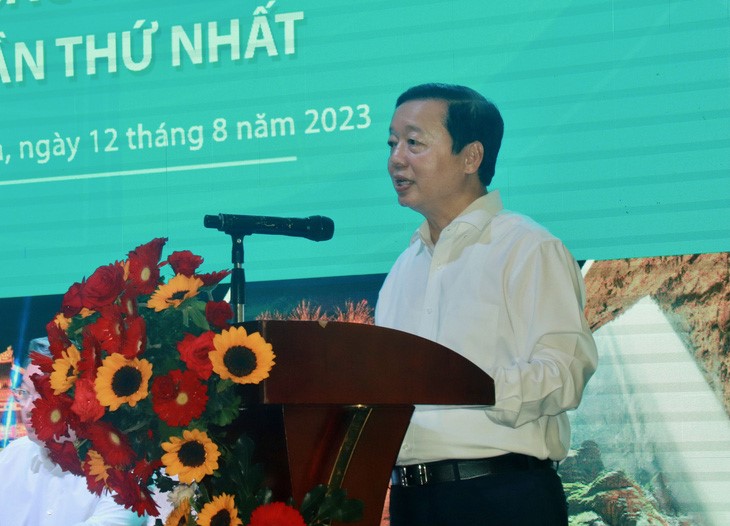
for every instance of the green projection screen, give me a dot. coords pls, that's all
(124, 121)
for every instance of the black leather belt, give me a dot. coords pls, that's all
(453, 470)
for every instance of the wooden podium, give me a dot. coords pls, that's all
(338, 402)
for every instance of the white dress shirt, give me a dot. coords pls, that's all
(503, 292)
(34, 491)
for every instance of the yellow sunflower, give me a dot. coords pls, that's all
(61, 321)
(96, 466)
(241, 357)
(191, 457)
(85, 313)
(220, 511)
(121, 381)
(65, 370)
(180, 515)
(174, 292)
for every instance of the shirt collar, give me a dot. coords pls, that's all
(41, 459)
(478, 214)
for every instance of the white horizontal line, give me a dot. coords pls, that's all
(166, 169)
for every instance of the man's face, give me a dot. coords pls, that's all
(427, 176)
(26, 399)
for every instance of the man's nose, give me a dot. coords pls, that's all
(396, 157)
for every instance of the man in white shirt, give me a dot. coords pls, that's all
(498, 289)
(34, 491)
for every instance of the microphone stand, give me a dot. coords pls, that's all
(316, 228)
(238, 278)
(238, 275)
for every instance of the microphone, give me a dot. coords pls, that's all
(316, 228)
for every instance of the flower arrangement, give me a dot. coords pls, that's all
(145, 376)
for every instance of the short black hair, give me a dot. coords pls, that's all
(469, 117)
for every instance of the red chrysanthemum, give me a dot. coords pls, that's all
(58, 340)
(50, 416)
(103, 286)
(116, 334)
(144, 469)
(142, 265)
(194, 352)
(65, 455)
(213, 278)
(42, 384)
(96, 472)
(108, 328)
(179, 397)
(276, 514)
(184, 262)
(219, 313)
(85, 403)
(43, 361)
(132, 493)
(71, 304)
(128, 302)
(111, 444)
(134, 337)
(151, 251)
(145, 503)
(90, 355)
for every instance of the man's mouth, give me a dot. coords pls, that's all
(401, 182)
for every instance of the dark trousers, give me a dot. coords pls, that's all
(520, 498)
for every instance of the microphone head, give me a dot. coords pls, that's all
(321, 228)
(210, 221)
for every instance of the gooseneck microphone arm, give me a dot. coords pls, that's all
(316, 228)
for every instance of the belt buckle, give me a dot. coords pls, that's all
(422, 474)
(413, 475)
(402, 472)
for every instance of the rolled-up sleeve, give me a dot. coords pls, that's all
(555, 351)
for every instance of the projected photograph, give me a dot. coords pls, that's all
(651, 439)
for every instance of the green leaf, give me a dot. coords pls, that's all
(164, 483)
(223, 385)
(196, 311)
(312, 502)
(324, 504)
(222, 408)
(350, 510)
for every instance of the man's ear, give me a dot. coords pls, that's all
(473, 155)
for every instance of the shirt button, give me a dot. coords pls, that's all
(429, 310)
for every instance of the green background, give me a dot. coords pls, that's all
(617, 129)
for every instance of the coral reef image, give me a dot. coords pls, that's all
(652, 435)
